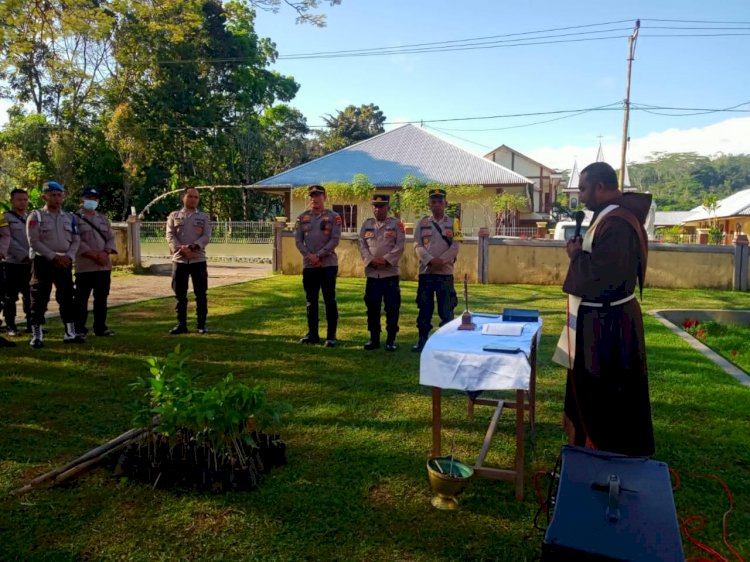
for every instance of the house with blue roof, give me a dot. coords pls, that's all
(387, 159)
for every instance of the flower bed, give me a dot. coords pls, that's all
(730, 341)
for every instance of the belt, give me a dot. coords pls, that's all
(630, 297)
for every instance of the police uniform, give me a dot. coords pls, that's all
(382, 239)
(319, 234)
(435, 238)
(17, 269)
(193, 229)
(96, 236)
(4, 247)
(52, 235)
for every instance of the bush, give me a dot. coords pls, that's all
(208, 437)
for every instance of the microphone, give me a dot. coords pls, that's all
(580, 215)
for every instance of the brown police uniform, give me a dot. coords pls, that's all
(435, 238)
(91, 276)
(192, 229)
(382, 239)
(319, 234)
(17, 267)
(51, 235)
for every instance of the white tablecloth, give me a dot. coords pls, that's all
(455, 359)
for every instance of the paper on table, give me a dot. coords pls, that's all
(502, 329)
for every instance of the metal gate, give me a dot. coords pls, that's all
(233, 241)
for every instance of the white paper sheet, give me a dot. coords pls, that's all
(503, 329)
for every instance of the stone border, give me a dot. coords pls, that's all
(729, 368)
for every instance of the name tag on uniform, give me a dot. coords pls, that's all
(369, 234)
(390, 233)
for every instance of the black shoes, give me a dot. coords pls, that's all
(179, 329)
(372, 344)
(390, 346)
(6, 343)
(419, 346)
(11, 330)
(330, 343)
(308, 339)
(202, 329)
(105, 333)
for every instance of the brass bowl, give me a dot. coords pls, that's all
(448, 479)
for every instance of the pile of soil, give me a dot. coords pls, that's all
(161, 464)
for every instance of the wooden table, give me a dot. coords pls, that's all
(454, 359)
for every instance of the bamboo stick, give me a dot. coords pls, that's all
(97, 453)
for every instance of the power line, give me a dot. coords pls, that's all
(698, 21)
(572, 114)
(446, 42)
(457, 137)
(453, 49)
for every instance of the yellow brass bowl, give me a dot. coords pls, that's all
(448, 479)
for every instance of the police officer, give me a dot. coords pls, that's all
(381, 243)
(4, 249)
(53, 243)
(17, 263)
(436, 250)
(188, 233)
(317, 233)
(93, 264)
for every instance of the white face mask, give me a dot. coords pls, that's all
(90, 204)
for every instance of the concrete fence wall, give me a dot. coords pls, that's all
(544, 262)
(124, 252)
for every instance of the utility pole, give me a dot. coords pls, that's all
(631, 55)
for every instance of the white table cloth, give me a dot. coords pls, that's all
(454, 359)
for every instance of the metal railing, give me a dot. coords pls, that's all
(222, 232)
(676, 238)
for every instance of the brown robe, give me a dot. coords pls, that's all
(606, 398)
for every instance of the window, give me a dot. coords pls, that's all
(348, 217)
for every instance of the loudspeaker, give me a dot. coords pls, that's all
(612, 507)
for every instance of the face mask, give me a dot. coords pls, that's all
(90, 204)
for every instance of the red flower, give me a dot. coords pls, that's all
(701, 333)
(734, 353)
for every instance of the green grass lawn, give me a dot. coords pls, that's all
(358, 437)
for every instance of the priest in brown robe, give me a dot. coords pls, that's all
(607, 403)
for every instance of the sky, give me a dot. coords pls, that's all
(706, 73)
(701, 73)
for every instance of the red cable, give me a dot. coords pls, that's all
(724, 526)
(686, 529)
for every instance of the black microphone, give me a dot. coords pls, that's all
(580, 215)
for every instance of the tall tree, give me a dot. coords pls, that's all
(352, 125)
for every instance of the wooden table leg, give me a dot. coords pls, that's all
(532, 386)
(436, 420)
(519, 443)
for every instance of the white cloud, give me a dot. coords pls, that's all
(729, 137)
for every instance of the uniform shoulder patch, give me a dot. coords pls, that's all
(401, 226)
(338, 219)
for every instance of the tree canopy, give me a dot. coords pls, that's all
(682, 180)
(139, 97)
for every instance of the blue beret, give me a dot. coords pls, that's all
(52, 186)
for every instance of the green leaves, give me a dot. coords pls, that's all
(214, 417)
